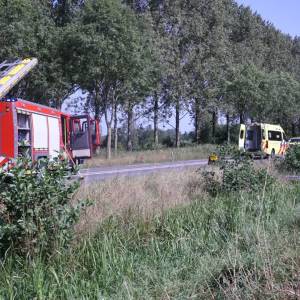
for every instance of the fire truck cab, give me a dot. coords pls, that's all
(39, 131)
(34, 130)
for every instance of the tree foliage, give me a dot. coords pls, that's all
(27, 29)
(156, 58)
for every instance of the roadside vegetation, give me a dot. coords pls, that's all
(152, 156)
(36, 213)
(143, 196)
(170, 236)
(291, 161)
(228, 247)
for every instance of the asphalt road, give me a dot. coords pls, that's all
(101, 173)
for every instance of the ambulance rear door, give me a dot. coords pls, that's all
(242, 137)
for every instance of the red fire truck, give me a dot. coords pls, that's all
(27, 128)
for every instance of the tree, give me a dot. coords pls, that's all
(283, 96)
(208, 56)
(105, 50)
(152, 15)
(246, 89)
(171, 17)
(63, 11)
(27, 30)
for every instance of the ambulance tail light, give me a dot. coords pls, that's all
(267, 144)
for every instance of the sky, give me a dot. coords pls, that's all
(284, 14)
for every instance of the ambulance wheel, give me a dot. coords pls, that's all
(272, 154)
(79, 161)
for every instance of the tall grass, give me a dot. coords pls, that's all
(236, 247)
(152, 156)
(145, 196)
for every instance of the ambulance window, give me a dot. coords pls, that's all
(242, 134)
(275, 136)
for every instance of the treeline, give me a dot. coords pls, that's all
(150, 58)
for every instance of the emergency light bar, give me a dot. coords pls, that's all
(12, 73)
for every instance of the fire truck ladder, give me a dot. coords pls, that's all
(12, 72)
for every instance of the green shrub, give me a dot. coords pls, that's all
(35, 209)
(237, 173)
(242, 175)
(291, 161)
(225, 151)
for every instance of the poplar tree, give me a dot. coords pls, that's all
(105, 50)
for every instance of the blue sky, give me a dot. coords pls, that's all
(284, 14)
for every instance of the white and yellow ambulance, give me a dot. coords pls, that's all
(264, 139)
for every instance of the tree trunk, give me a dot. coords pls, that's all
(108, 147)
(197, 122)
(293, 129)
(177, 129)
(97, 117)
(129, 128)
(97, 101)
(228, 128)
(241, 118)
(97, 114)
(108, 121)
(214, 121)
(116, 128)
(155, 120)
(108, 126)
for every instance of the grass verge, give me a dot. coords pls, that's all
(144, 196)
(242, 246)
(152, 156)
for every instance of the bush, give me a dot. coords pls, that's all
(291, 161)
(236, 174)
(35, 210)
(242, 175)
